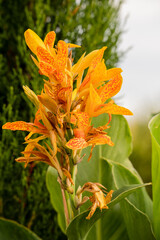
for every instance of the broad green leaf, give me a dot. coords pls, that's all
(56, 196)
(101, 171)
(121, 136)
(11, 230)
(154, 126)
(80, 226)
(104, 168)
(137, 206)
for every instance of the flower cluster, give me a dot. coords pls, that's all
(65, 109)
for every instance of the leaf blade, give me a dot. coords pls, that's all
(154, 127)
(11, 230)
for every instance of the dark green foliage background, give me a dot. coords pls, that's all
(92, 24)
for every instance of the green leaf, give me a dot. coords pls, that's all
(80, 226)
(104, 168)
(137, 208)
(110, 167)
(154, 126)
(11, 230)
(56, 196)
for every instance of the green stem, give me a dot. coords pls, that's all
(69, 205)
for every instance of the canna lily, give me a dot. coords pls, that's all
(98, 198)
(65, 109)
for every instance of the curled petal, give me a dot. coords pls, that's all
(76, 143)
(100, 139)
(63, 93)
(84, 62)
(113, 109)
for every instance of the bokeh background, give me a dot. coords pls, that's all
(130, 30)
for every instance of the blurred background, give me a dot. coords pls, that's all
(130, 29)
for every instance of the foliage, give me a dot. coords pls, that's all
(110, 166)
(141, 154)
(19, 191)
(154, 126)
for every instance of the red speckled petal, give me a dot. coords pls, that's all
(111, 88)
(97, 59)
(46, 68)
(114, 109)
(111, 73)
(49, 39)
(19, 125)
(73, 119)
(76, 143)
(83, 119)
(44, 56)
(101, 139)
(62, 54)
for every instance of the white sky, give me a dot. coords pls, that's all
(141, 66)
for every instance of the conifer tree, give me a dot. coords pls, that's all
(91, 24)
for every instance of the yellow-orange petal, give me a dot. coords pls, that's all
(72, 45)
(101, 139)
(63, 93)
(76, 143)
(44, 56)
(73, 119)
(97, 59)
(50, 39)
(45, 119)
(111, 88)
(98, 76)
(83, 119)
(113, 109)
(19, 125)
(48, 102)
(33, 40)
(62, 54)
(46, 68)
(35, 61)
(111, 73)
(93, 101)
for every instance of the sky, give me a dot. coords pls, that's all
(141, 65)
